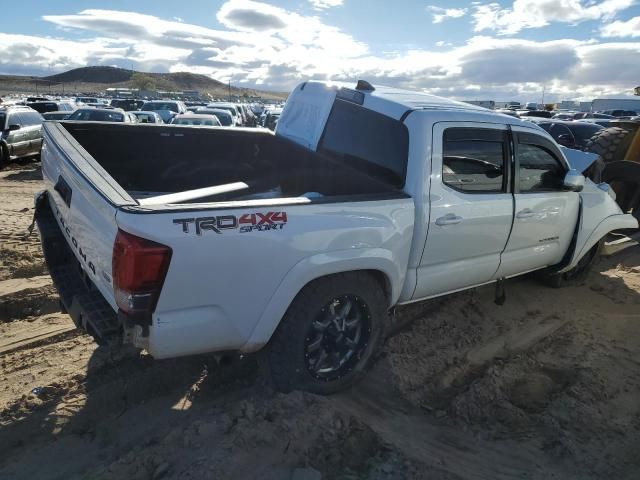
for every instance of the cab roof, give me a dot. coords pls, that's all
(396, 102)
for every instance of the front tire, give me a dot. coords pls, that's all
(330, 335)
(578, 274)
(4, 156)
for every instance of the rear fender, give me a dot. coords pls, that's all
(317, 266)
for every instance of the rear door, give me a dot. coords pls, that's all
(471, 207)
(33, 127)
(545, 214)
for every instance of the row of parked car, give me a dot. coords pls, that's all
(20, 123)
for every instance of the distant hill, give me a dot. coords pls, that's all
(98, 78)
(93, 75)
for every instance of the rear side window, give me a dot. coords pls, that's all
(473, 160)
(367, 140)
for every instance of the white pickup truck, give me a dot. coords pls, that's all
(184, 241)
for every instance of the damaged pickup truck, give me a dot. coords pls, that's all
(183, 241)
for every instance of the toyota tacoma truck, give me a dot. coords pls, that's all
(183, 241)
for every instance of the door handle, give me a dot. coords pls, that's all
(526, 213)
(448, 219)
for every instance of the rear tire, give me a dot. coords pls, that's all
(330, 335)
(578, 274)
(611, 143)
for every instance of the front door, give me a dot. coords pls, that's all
(545, 213)
(471, 207)
(17, 140)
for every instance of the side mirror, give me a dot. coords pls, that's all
(13, 128)
(566, 140)
(573, 181)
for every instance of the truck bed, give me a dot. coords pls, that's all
(149, 160)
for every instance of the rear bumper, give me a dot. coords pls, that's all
(82, 300)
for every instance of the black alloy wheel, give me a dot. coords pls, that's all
(337, 337)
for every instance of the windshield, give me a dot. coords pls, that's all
(367, 140)
(96, 116)
(161, 106)
(3, 118)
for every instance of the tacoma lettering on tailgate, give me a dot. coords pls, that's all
(247, 222)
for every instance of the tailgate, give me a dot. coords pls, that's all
(83, 202)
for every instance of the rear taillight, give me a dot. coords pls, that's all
(139, 267)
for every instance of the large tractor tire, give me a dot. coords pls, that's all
(611, 143)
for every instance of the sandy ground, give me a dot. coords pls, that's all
(546, 386)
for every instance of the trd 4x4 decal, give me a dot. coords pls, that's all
(247, 222)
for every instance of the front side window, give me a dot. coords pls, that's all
(473, 160)
(35, 118)
(14, 119)
(539, 169)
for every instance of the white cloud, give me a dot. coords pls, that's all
(630, 28)
(539, 13)
(441, 14)
(324, 4)
(277, 48)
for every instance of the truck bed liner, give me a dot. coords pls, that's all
(173, 159)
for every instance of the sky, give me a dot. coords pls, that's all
(482, 50)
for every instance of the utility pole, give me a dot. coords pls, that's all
(544, 87)
(229, 89)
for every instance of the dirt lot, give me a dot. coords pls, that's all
(546, 386)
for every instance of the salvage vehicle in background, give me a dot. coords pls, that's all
(20, 133)
(271, 119)
(167, 109)
(186, 240)
(585, 115)
(126, 104)
(196, 120)
(51, 106)
(92, 114)
(147, 117)
(56, 115)
(87, 100)
(232, 108)
(224, 116)
(569, 134)
(535, 113)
